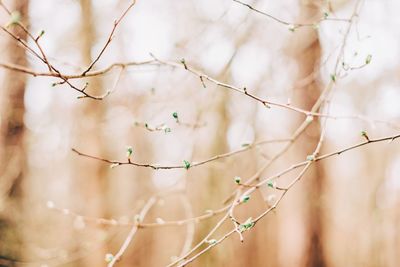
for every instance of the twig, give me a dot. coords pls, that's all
(193, 164)
(294, 25)
(132, 232)
(111, 35)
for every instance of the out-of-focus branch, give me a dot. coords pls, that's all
(292, 26)
(132, 232)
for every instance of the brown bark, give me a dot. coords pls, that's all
(12, 145)
(308, 54)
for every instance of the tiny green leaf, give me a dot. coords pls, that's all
(41, 33)
(247, 225)
(245, 199)
(271, 184)
(129, 151)
(187, 164)
(184, 63)
(175, 115)
(333, 77)
(238, 179)
(368, 59)
(365, 135)
(167, 130)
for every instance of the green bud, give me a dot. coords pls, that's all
(365, 135)
(368, 59)
(247, 225)
(238, 179)
(271, 184)
(187, 164)
(129, 151)
(245, 199)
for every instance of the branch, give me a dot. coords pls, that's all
(183, 166)
(132, 232)
(111, 35)
(293, 26)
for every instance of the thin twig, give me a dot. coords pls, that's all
(110, 36)
(132, 232)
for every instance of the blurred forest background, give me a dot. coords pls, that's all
(58, 208)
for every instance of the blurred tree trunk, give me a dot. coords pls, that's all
(307, 52)
(12, 143)
(91, 176)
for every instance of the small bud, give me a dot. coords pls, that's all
(108, 257)
(245, 199)
(247, 225)
(167, 130)
(333, 77)
(368, 59)
(310, 158)
(136, 218)
(41, 33)
(211, 241)
(175, 116)
(187, 164)
(291, 27)
(129, 151)
(238, 179)
(271, 184)
(365, 135)
(184, 63)
(309, 118)
(326, 15)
